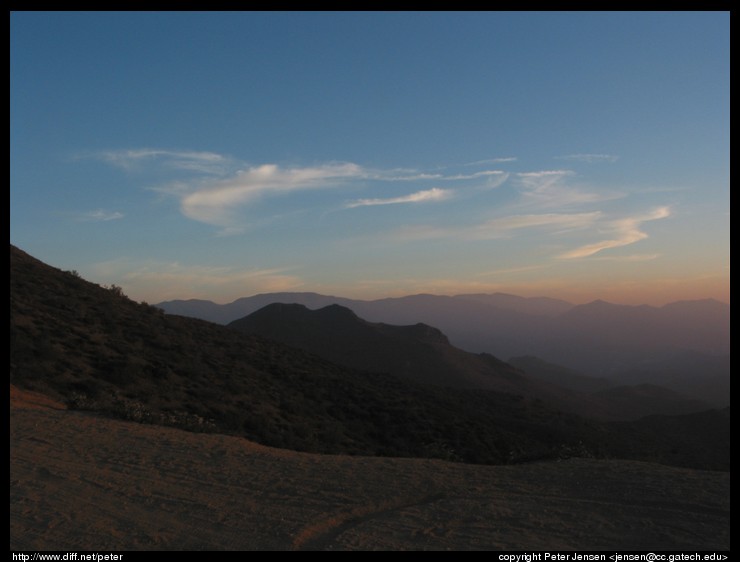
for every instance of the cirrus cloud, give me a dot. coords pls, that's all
(209, 163)
(215, 203)
(502, 227)
(624, 232)
(99, 215)
(548, 188)
(434, 194)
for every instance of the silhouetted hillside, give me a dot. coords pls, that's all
(557, 374)
(675, 439)
(95, 349)
(599, 339)
(419, 353)
(646, 399)
(225, 313)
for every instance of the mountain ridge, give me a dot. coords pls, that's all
(425, 355)
(96, 350)
(301, 297)
(600, 339)
(418, 352)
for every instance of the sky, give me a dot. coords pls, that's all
(219, 155)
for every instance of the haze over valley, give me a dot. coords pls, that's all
(683, 345)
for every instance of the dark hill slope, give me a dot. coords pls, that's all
(95, 349)
(599, 338)
(557, 374)
(647, 399)
(419, 353)
(630, 402)
(674, 439)
(424, 354)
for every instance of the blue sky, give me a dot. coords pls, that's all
(220, 155)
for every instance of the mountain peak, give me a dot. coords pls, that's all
(418, 352)
(337, 312)
(283, 307)
(428, 333)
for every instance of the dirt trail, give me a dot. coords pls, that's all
(82, 482)
(322, 534)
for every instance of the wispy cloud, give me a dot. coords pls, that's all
(624, 232)
(99, 215)
(548, 188)
(219, 200)
(215, 203)
(589, 158)
(492, 161)
(434, 194)
(560, 222)
(542, 180)
(187, 160)
(484, 173)
(502, 227)
(217, 191)
(396, 175)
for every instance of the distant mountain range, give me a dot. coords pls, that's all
(511, 322)
(423, 354)
(625, 344)
(225, 313)
(94, 349)
(418, 352)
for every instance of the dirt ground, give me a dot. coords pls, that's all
(80, 482)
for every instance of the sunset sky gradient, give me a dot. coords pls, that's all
(220, 155)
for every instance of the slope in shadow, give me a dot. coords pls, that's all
(95, 349)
